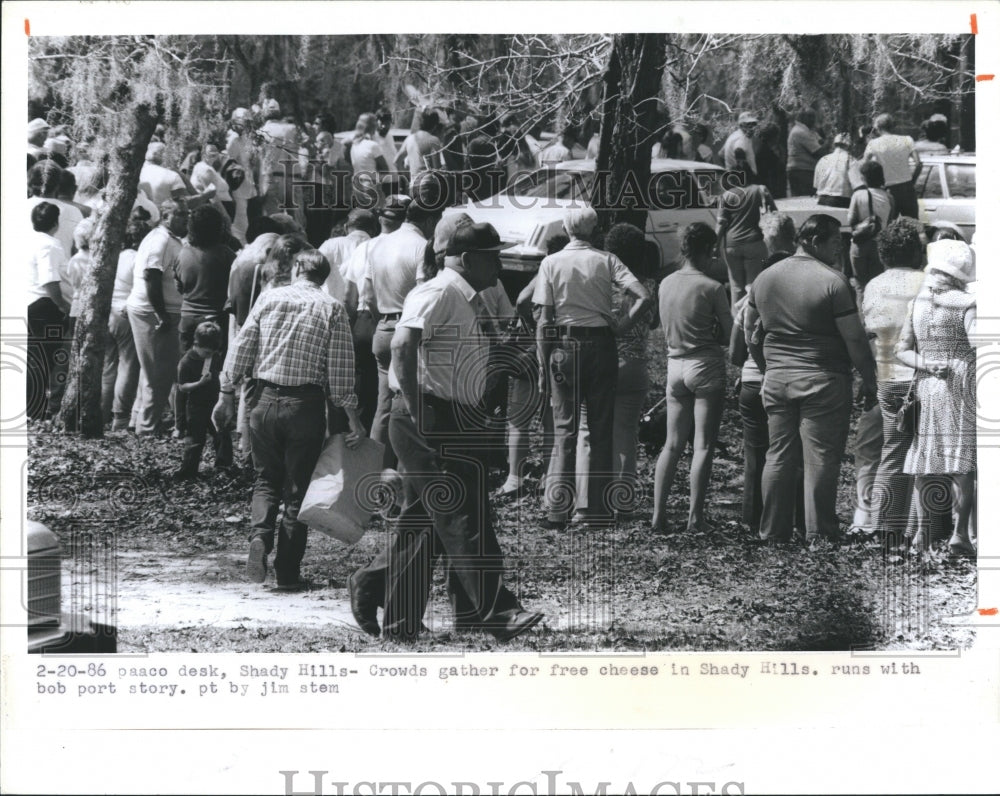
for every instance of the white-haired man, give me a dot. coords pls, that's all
(159, 182)
(578, 357)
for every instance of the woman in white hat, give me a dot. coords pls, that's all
(935, 341)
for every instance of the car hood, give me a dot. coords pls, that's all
(523, 221)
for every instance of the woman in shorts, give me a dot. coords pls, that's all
(696, 319)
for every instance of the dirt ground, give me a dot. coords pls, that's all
(165, 562)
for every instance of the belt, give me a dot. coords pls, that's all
(391, 316)
(584, 331)
(297, 389)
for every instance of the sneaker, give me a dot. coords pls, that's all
(257, 561)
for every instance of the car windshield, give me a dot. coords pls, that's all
(675, 190)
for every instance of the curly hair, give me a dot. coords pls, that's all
(206, 227)
(899, 244)
(628, 243)
(278, 267)
(698, 238)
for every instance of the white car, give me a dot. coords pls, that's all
(946, 193)
(529, 213)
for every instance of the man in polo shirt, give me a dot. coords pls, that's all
(439, 373)
(812, 336)
(900, 163)
(392, 271)
(159, 182)
(154, 312)
(297, 343)
(578, 357)
(804, 149)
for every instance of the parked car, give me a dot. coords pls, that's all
(946, 192)
(51, 629)
(529, 212)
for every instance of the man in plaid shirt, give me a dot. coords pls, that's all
(296, 343)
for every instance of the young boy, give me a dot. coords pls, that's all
(197, 392)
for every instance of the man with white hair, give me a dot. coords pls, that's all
(281, 151)
(159, 182)
(900, 163)
(578, 356)
(38, 131)
(741, 138)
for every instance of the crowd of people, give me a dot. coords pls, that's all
(234, 320)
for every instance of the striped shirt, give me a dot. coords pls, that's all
(296, 334)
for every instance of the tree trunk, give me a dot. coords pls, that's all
(631, 87)
(81, 406)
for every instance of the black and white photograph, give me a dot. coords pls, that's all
(484, 356)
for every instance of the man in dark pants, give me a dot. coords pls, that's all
(812, 337)
(438, 374)
(296, 343)
(578, 356)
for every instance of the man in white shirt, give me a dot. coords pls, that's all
(240, 148)
(741, 138)
(159, 182)
(361, 226)
(837, 174)
(439, 364)
(900, 163)
(46, 306)
(154, 311)
(43, 181)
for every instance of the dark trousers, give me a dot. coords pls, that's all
(800, 182)
(198, 422)
(365, 369)
(906, 198)
(808, 415)
(582, 370)
(755, 444)
(446, 513)
(834, 201)
(46, 335)
(287, 428)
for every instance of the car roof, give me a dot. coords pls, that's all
(962, 157)
(656, 165)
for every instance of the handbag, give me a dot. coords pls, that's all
(906, 415)
(868, 228)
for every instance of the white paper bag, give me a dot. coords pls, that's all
(344, 489)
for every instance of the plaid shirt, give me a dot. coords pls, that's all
(296, 334)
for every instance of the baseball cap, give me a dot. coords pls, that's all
(474, 238)
(446, 228)
(747, 118)
(953, 257)
(395, 207)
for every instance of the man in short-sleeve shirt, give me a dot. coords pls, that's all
(812, 336)
(578, 358)
(154, 312)
(439, 368)
(899, 161)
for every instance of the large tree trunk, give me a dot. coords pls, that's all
(81, 405)
(631, 87)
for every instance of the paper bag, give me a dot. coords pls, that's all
(344, 488)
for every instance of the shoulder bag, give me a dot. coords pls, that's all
(868, 228)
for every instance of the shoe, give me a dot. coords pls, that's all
(960, 547)
(257, 561)
(520, 623)
(363, 610)
(553, 525)
(511, 487)
(294, 586)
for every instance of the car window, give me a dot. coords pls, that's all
(930, 182)
(961, 179)
(681, 190)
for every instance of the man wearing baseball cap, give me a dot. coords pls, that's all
(38, 131)
(837, 174)
(741, 138)
(438, 377)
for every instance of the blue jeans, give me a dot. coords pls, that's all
(287, 428)
(893, 489)
(808, 414)
(582, 371)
